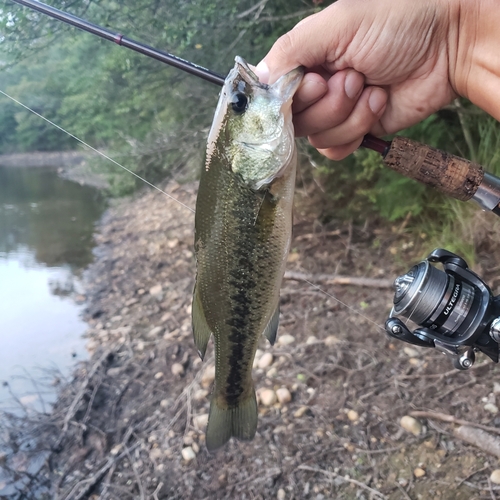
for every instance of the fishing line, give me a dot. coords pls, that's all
(95, 150)
(355, 311)
(344, 304)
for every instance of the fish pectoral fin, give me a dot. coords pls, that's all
(201, 331)
(272, 327)
(239, 422)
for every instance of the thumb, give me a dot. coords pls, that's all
(318, 40)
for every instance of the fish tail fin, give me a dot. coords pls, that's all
(239, 422)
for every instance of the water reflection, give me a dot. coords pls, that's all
(46, 228)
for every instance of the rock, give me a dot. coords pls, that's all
(156, 290)
(353, 416)
(301, 412)
(200, 394)
(208, 376)
(266, 360)
(164, 403)
(155, 454)
(411, 424)
(419, 472)
(492, 408)
(188, 440)
(188, 454)
(116, 449)
(140, 346)
(159, 375)
(286, 339)
(411, 353)
(155, 332)
(281, 492)
(177, 369)
(495, 476)
(283, 395)
(272, 372)
(268, 397)
(114, 372)
(201, 421)
(331, 340)
(196, 448)
(311, 339)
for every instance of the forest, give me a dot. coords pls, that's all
(154, 119)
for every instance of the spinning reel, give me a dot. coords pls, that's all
(453, 308)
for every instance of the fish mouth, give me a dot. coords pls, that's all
(247, 74)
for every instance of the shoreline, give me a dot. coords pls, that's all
(131, 421)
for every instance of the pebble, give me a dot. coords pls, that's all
(196, 447)
(155, 454)
(155, 332)
(419, 472)
(353, 415)
(164, 403)
(3, 457)
(188, 454)
(271, 373)
(284, 396)
(311, 339)
(286, 339)
(116, 449)
(177, 369)
(258, 354)
(411, 424)
(266, 360)
(268, 397)
(492, 408)
(301, 411)
(159, 375)
(140, 345)
(200, 394)
(201, 421)
(411, 353)
(113, 372)
(208, 376)
(331, 340)
(281, 494)
(495, 476)
(156, 290)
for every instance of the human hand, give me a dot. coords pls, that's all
(373, 66)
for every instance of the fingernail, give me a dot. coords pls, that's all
(353, 84)
(262, 71)
(377, 100)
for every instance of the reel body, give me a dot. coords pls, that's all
(453, 308)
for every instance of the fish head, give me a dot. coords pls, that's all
(252, 129)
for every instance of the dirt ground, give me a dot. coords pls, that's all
(131, 423)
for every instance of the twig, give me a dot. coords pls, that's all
(471, 474)
(479, 438)
(79, 395)
(347, 479)
(155, 492)
(403, 491)
(310, 236)
(337, 279)
(136, 474)
(452, 420)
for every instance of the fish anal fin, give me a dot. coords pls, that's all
(239, 422)
(201, 331)
(271, 329)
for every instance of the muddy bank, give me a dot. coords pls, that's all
(332, 391)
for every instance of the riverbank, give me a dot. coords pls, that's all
(332, 391)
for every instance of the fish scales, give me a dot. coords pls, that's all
(242, 238)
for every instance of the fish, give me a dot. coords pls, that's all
(243, 229)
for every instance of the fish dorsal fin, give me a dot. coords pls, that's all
(272, 327)
(201, 331)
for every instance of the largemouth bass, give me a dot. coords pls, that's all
(243, 226)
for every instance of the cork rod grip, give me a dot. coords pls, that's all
(450, 174)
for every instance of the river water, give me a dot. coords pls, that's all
(46, 240)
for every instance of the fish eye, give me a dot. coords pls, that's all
(239, 103)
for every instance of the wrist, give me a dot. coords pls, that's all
(474, 52)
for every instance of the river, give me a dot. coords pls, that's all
(46, 240)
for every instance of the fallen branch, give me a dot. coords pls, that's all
(344, 478)
(337, 279)
(452, 420)
(477, 437)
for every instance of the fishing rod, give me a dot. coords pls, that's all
(450, 174)
(455, 311)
